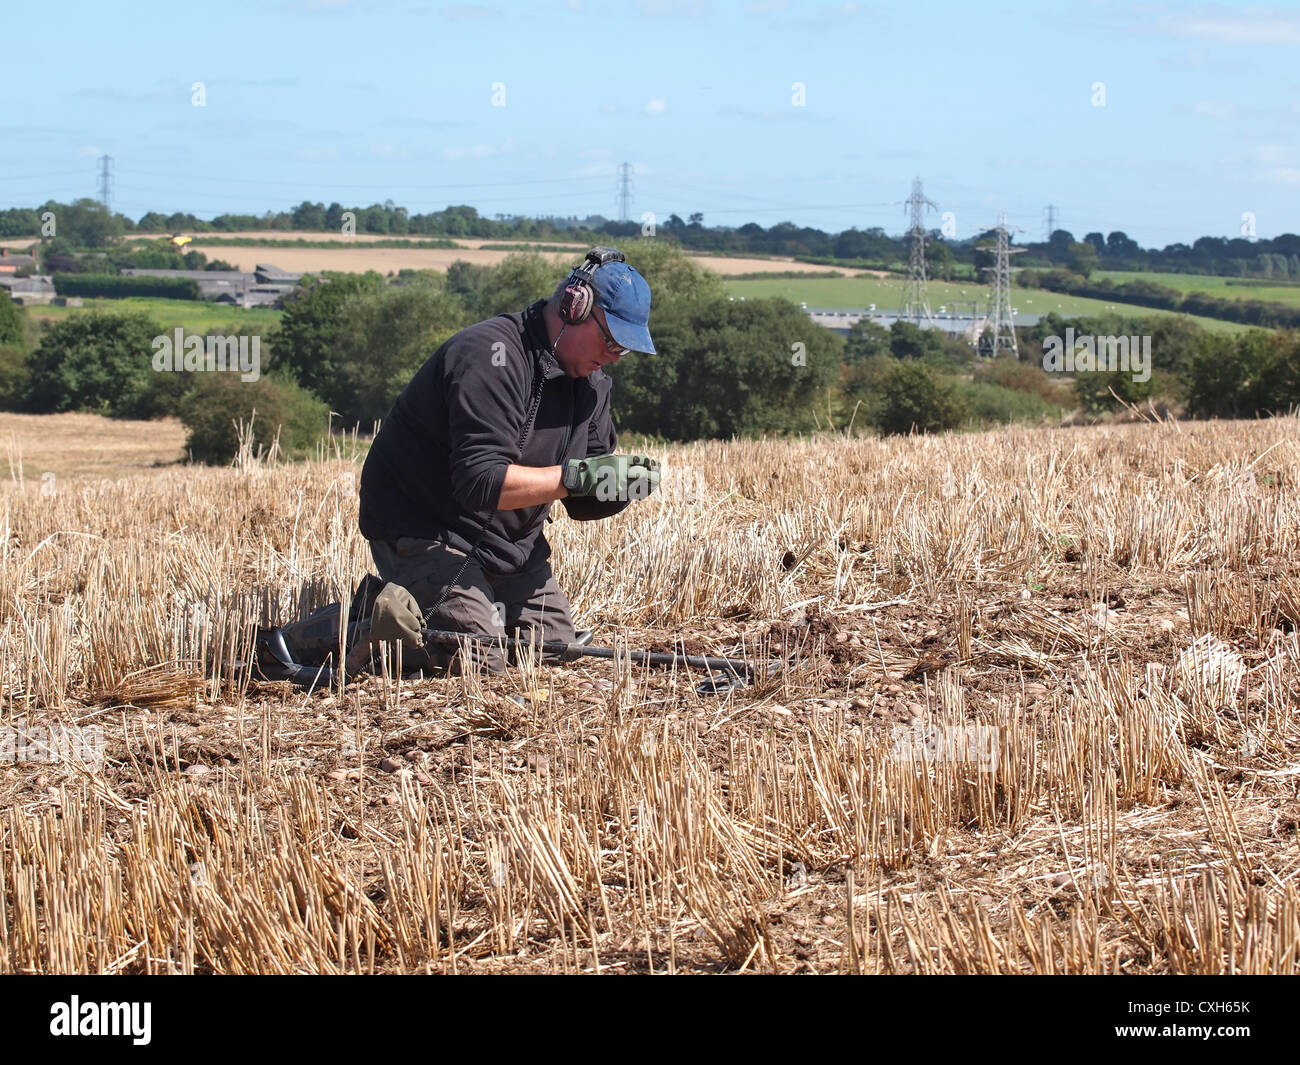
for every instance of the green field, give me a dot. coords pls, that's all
(832, 293)
(1233, 288)
(858, 293)
(196, 316)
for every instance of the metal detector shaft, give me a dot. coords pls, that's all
(567, 652)
(274, 661)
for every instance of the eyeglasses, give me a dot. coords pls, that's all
(611, 345)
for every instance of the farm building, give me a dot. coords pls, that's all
(28, 290)
(12, 262)
(261, 288)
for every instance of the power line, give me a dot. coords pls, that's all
(766, 200)
(797, 207)
(47, 194)
(370, 185)
(714, 191)
(41, 177)
(413, 206)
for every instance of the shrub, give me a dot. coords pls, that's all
(11, 320)
(217, 401)
(13, 376)
(866, 340)
(937, 348)
(100, 362)
(1245, 376)
(119, 286)
(913, 397)
(990, 402)
(514, 283)
(1006, 372)
(314, 318)
(387, 337)
(171, 386)
(1097, 391)
(726, 369)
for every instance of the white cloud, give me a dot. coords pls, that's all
(689, 8)
(1250, 25)
(478, 151)
(317, 155)
(768, 114)
(318, 5)
(254, 83)
(656, 106)
(234, 126)
(1270, 153)
(604, 169)
(1193, 57)
(1198, 59)
(608, 108)
(829, 17)
(469, 11)
(126, 96)
(1214, 109)
(387, 151)
(406, 122)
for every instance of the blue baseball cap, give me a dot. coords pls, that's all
(624, 296)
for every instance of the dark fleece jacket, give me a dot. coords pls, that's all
(437, 464)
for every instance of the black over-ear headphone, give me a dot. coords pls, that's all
(578, 298)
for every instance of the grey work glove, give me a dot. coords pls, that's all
(612, 478)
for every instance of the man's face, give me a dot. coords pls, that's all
(583, 349)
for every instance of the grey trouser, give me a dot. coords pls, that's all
(528, 604)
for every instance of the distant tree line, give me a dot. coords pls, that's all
(348, 343)
(1275, 259)
(87, 224)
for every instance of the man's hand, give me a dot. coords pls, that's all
(612, 478)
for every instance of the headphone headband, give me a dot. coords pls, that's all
(578, 300)
(597, 258)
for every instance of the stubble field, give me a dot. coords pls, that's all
(1043, 719)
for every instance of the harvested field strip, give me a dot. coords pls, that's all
(1043, 719)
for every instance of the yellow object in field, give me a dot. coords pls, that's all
(180, 241)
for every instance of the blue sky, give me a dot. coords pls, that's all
(359, 101)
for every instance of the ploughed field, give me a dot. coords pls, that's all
(1043, 718)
